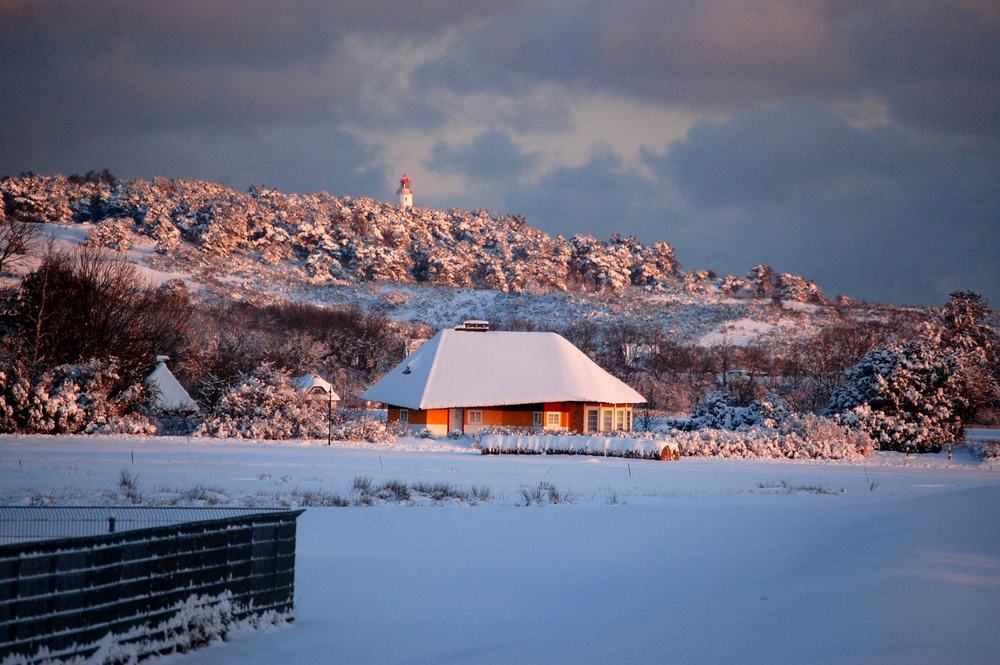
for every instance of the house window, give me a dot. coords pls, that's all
(593, 420)
(620, 419)
(475, 417)
(608, 420)
(404, 415)
(628, 419)
(536, 419)
(552, 419)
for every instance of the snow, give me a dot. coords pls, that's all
(801, 306)
(470, 369)
(891, 559)
(736, 333)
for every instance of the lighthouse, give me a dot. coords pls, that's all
(405, 193)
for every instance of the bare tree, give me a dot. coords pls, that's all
(17, 238)
(88, 304)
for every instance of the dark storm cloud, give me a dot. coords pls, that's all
(490, 156)
(777, 154)
(97, 71)
(599, 198)
(936, 61)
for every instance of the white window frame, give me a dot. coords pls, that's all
(607, 420)
(596, 413)
(619, 419)
(550, 416)
(404, 416)
(538, 419)
(474, 417)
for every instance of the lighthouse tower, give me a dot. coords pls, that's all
(405, 193)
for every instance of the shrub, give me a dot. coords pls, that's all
(75, 398)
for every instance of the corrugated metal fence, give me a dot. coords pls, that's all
(64, 588)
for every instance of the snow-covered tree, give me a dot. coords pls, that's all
(906, 395)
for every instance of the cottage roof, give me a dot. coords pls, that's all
(467, 369)
(306, 383)
(169, 393)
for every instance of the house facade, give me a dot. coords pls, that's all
(470, 377)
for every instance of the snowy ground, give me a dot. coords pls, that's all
(889, 560)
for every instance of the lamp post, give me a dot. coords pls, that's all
(329, 417)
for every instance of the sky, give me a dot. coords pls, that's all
(854, 142)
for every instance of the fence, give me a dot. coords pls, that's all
(153, 580)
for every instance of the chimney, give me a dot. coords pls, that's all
(474, 326)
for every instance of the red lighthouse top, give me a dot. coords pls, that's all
(405, 182)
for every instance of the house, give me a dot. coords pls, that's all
(168, 394)
(469, 377)
(316, 389)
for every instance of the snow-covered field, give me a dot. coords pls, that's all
(886, 560)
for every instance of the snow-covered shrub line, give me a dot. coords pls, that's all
(984, 448)
(606, 446)
(800, 437)
(264, 404)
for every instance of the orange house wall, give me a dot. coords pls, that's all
(507, 417)
(573, 415)
(420, 416)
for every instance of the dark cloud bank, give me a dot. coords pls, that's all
(263, 92)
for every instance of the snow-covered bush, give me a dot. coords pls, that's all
(263, 404)
(719, 412)
(112, 233)
(70, 399)
(799, 437)
(985, 450)
(541, 443)
(765, 428)
(364, 427)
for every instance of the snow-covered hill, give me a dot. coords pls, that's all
(415, 265)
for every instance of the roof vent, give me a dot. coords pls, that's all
(474, 326)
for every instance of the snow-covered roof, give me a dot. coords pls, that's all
(170, 395)
(468, 369)
(307, 382)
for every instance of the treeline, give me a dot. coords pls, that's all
(322, 239)
(82, 331)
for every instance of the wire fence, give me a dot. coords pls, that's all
(147, 580)
(19, 524)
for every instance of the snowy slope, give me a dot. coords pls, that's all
(703, 317)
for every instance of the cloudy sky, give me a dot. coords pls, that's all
(855, 142)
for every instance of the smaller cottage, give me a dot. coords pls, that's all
(470, 377)
(168, 393)
(316, 389)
